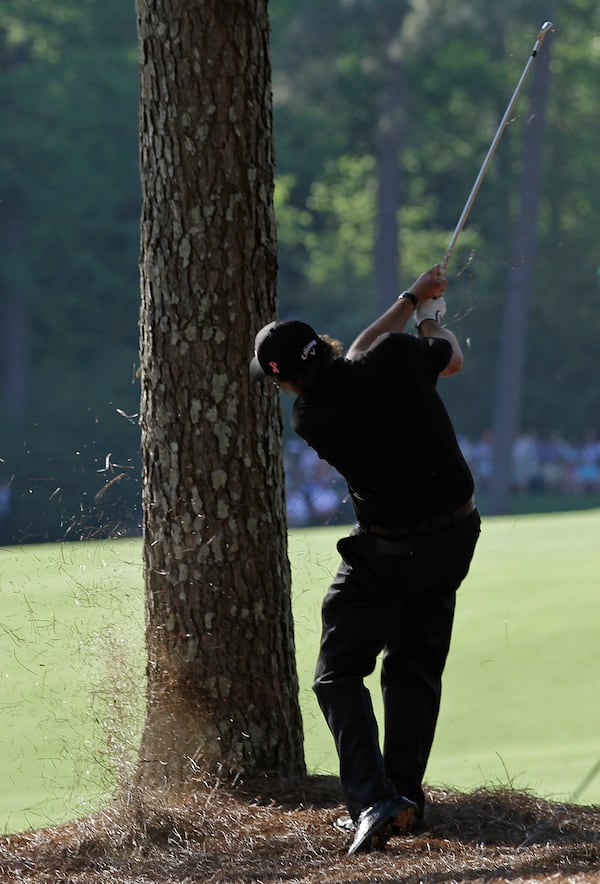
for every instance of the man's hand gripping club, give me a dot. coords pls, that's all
(428, 317)
(429, 286)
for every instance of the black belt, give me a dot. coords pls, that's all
(427, 525)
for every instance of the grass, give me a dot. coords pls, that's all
(70, 627)
(519, 705)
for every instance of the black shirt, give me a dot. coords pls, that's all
(381, 423)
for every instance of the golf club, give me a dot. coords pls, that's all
(546, 27)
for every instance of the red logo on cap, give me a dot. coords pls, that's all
(273, 367)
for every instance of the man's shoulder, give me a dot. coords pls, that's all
(404, 352)
(391, 345)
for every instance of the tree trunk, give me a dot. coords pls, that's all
(513, 342)
(389, 19)
(222, 693)
(387, 269)
(15, 288)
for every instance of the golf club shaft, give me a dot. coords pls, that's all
(547, 26)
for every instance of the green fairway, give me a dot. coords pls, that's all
(70, 633)
(519, 704)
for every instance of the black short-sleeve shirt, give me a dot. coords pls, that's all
(381, 423)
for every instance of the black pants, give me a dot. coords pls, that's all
(396, 596)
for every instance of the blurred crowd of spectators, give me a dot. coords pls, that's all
(316, 493)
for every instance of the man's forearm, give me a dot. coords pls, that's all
(429, 328)
(430, 284)
(394, 319)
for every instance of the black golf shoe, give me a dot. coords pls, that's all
(376, 824)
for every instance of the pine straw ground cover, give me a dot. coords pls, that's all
(273, 831)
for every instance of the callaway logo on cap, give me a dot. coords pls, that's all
(282, 349)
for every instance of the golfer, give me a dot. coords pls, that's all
(376, 416)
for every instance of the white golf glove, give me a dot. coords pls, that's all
(433, 308)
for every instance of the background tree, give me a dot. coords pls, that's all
(69, 214)
(69, 211)
(222, 686)
(510, 371)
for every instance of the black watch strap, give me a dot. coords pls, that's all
(408, 296)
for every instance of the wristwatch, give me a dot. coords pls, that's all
(408, 296)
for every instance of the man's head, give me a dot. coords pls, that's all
(285, 351)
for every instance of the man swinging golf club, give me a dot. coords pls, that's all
(376, 416)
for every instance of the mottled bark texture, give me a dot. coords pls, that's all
(222, 685)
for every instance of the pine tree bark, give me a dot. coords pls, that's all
(222, 693)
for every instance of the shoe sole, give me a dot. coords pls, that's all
(405, 820)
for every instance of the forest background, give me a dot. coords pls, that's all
(355, 81)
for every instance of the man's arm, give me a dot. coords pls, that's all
(429, 328)
(430, 284)
(428, 318)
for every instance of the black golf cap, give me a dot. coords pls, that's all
(282, 350)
